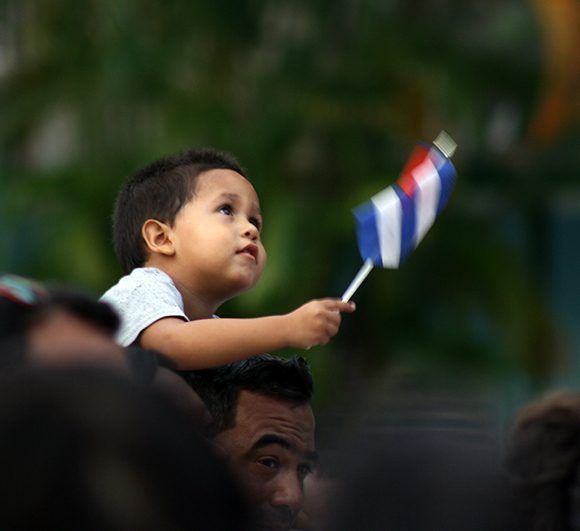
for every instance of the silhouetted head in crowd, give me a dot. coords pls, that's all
(70, 325)
(19, 299)
(38, 325)
(544, 462)
(64, 326)
(421, 480)
(264, 425)
(85, 449)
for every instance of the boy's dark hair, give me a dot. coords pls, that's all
(287, 380)
(159, 191)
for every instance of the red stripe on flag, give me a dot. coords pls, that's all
(405, 180)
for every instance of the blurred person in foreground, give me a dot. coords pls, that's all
(55, 326)
(264, 426)
(84, 448)
(420, 480)
(544, 462)
(64, 326)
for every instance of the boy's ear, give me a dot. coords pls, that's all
(158, 237)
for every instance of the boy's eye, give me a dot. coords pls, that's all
(256, 222)
(226, 209)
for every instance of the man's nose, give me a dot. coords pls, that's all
(289, 493)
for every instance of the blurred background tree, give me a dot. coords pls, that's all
(322, 101)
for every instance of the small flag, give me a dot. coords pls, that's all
(395, 220)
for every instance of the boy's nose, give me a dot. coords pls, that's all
(251, 231)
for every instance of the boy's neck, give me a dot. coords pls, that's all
(195, 305)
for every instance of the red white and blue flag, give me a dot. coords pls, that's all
(393, 222)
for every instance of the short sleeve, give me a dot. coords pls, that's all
(141, 298)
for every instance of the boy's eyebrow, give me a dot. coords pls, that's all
(230, 196)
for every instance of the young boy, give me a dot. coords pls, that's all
(187, 234)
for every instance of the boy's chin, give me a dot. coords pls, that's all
(241, 285)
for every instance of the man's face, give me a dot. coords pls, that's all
(271, 450)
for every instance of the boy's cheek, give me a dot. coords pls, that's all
(262, 258)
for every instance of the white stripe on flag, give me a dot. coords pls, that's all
(389, 216)
(427, 199)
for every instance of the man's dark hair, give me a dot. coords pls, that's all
(159, 191)
(288, 380)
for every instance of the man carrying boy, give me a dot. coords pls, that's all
(263, 424)
(187, 235)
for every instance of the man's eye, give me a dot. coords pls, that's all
(268, 462)
(226, 209)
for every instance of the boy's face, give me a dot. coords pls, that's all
(217, 236)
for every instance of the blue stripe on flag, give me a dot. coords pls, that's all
(447, 175)
(408, 223)
(367, 233)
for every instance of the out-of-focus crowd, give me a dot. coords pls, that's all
(95, 436)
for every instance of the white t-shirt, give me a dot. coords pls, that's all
(144, 296)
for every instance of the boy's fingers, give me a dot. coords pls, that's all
(333, 323)
(350, 306)
(338, 305)
(333, 329)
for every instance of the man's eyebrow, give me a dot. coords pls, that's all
(267, 440)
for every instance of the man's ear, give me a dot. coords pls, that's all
(158, 237)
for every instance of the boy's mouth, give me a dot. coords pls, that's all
(250, 250)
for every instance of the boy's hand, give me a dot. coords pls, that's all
(315, 322)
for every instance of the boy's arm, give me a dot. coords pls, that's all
(212, 342)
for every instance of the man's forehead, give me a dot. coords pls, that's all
(258, 415)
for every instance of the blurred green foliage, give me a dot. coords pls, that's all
(322, 101)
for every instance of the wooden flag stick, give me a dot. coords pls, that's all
(357, 280)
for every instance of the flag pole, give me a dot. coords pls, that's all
(358, 280)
